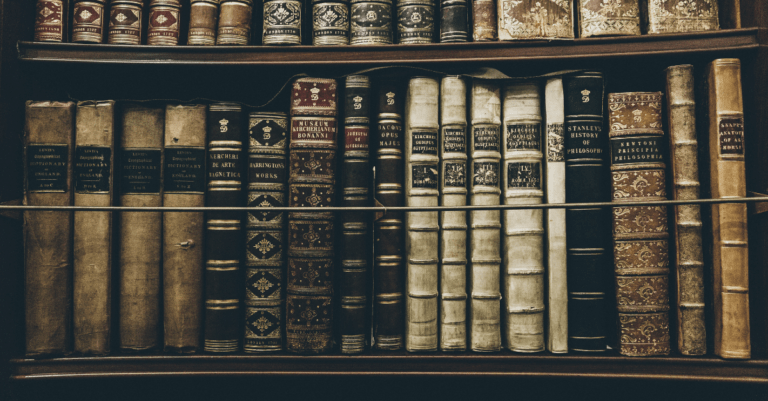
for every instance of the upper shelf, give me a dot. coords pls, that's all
(628, 46)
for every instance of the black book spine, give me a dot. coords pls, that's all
(330, 22)
(454, 26)
(223, 229)
(389, 244)
(415, 21)
(587, 229)
(370, 22)
(282, 22)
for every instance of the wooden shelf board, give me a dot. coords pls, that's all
(611, 47)
(397, 364)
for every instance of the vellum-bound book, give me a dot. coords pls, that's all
(609, 17)
(670, 16)
(535, 19)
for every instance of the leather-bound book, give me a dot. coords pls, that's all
(389, 243)
(125, 19)
(48, 141)
(140, 174)
(640, 233)
(535, 19)
(671, 16)
(89, 22)
(730, 262)
(330, 22)
(421, 241)
(223, 230)
(523, 261)
(688, 258)
(183, 265)
(234, 22)
(454, 21)
(51, 20)
(282, 22)
(311, 183)
(587, 229)
(265, 232)
(92, 278)
(415, 21)
(370, 22)
(203, 22)
(355, 257)
(453, 224)
(485, 225)
(484, 24)
(164, 22)
(609, 17)
(554, 192)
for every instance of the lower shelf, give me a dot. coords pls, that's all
(396, 364)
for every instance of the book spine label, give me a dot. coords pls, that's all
(88, 22)
(124, 23)
(415, 21)
(234, 22)
(453, 21)
(371, 22)
(330, 23)
(203, 22)
(484, 26)
(164, 23)
(533, 19)
(681, 16)
(50, 21)
(609, 18)
(282, 22)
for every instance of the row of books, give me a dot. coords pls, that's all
(361, 22)
(447, 280)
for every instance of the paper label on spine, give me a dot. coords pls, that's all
(455, 175)
(523, 136)
(140, 171)
(637, 150)
(356, 139)
(184, 170)
(454, 140)
(424, 176)
(47, 168)
(486, 173)
(731, 135)
(524, 175)
(92, 168)
(555, 143)
(583, 141)
(424, 142)
(486, 138)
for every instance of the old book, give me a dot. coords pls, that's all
(223, 230)
(183, 265)
(415, 21)
(140, 174)
(523, 260)
(234, 22)
(670, 16)
(370, 22)
(688, 258)
(554, 192)
(454, 21)
(330, 22)
(163, 22)
(356, 241)
(92, 278)
(88, 21)
(265, 232)
(48, 141)
(421, 241)
(640, 233)
(389, 240)
(484, 24)
(730, 268)
(453, 224)
(51, 20)
(485, 225)
(203, 22)
(587, 229)
(311, 183)
(282, 22)
(535, 19)
(125, 22)
(609, 17)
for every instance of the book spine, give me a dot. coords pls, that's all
(282, 22)
(534, 19)
(264, 232)
(587, 229)
(415, 21)
(92, 283)
(485, 225)
(389, 247)
(453, 225)
(125, 19)
(421, 177)
(454, 21)
(223, 230)
(673, 17)
(356, 241)
(234, 22)
(330, 22)
(51, 17)
(203, 22)
(640, 233)
(484, 26)
(140, 233)
(48, 139)
(609, 18)
(163, 22)
(311, 183)
(729, 221)
(523, 274)
(88, 22)
(183, 186)
(557, 252)
(370, 22)
(686, 219)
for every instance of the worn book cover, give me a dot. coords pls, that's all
(203, 22)
(672, 16)
(609, 17)
(535, 19)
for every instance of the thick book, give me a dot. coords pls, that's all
(140, 236)
(453, 224)
(587, 229)
(687, 258)
(640, 233)
(356, 240)
(523, 252)
(535, 19)
(282, 22)
(126, 19)
(88, 21)
(370, 22)
(51, 20)
(330, 22)
(163, 22)
(92, 249)
(311, 183)
(415, 21)
(554, 192)
(183, 265)
(421, 189)
(673, 16)
(234, 22)
(485, 225)
(730, 261)
(203, 22)
(454, 21)
(265, 232)
(223, 229)
(609, 17)
(388, 229)
(49, 133)
(484, 24)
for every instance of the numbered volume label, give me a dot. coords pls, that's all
(524, 175)
(424, 176)
(184, 170)
(92, 165)
(47, 168)
(486, 173)
(140, 171)
(455, 175)
(731, 136)
(523, 136)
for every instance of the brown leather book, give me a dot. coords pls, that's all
(671, 16)
(640, 234)
(48, 142)
(93, 160)
(535, 19)
(234, 22)
(89, 22)
(484, 21)
(51, 18)
(125, 22)
(311, 183)
(609, 17)
(730, 261)
(163, 22)
(203, 22)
